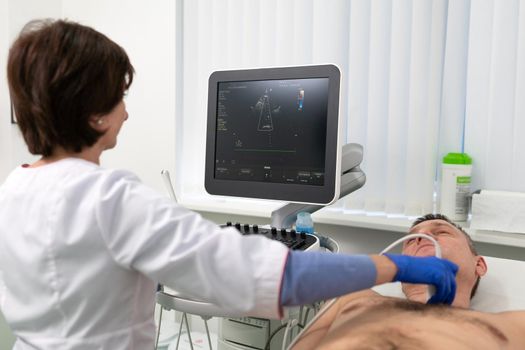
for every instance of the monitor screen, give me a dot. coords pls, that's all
(272, 133)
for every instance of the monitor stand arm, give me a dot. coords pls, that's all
(352, 178)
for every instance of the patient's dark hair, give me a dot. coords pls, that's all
(60, 74)
(470, 242)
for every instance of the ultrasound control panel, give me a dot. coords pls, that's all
(289, 237)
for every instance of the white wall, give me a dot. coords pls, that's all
(146, 30)
(5, 127)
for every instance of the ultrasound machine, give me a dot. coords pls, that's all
(274, 133)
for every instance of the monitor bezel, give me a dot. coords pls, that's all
(313, 194)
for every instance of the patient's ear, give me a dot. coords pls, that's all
(481, 266)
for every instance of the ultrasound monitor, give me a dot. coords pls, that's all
(272, 133)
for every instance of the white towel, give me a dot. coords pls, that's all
(498, 211)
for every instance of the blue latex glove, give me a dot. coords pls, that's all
(438, 272)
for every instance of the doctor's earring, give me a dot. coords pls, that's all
(100, 121)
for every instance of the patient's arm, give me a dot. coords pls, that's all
(313, 336)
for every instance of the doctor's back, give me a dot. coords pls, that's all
(58, 276)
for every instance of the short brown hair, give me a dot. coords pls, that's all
(60, 74)
(470, 242)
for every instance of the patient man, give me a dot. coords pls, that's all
(367, 320)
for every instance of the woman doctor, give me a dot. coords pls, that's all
(82, 247)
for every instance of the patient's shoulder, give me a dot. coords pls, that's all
(513, 324)
(514, 317)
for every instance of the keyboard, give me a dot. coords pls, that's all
(289, 237)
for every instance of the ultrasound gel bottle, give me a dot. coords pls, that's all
(456, 171)
(304, 223)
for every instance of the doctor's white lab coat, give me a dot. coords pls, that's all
(82, 249)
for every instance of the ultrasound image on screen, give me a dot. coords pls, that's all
(272, 131)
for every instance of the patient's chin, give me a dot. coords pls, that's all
(416, 292)
(419, 293)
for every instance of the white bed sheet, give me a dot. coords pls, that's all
(501, 289)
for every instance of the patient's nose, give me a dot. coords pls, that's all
(430, 234)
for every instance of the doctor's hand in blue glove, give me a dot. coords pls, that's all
(430, 270)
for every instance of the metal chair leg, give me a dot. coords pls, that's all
(208, 333)
(180, 331)
(185, 316)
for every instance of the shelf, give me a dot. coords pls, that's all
(336, 216)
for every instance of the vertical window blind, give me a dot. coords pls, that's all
(420, 78)
(495, 99)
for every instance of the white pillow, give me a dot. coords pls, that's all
(501, 289)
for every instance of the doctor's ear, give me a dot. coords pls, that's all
(98, 123)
